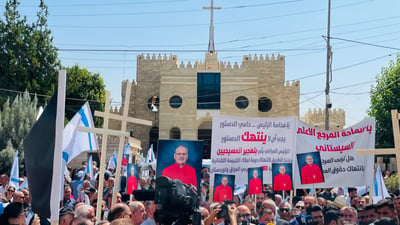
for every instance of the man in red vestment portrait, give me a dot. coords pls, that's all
(132, 181)
(311, 173)
(282, 181)
(255, 184)
(180, 170)
(223, 191)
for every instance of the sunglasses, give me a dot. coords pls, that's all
(244, 215)
(299, 207)
(283, 210)
(11, 190)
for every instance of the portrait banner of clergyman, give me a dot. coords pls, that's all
(255, 180)
(179, 159)
(131, 180)
(282, 176)
(310, 168)
(224, 186)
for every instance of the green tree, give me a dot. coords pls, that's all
(82, 86)
(28, 59)
(385, 97)
(16, 119)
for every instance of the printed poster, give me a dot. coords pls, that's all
(240, 143)
(339, 162)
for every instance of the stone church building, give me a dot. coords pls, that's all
(181, 99)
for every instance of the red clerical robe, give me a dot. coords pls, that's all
(311, 174)
(186, 174)
(282, 182)
(222, 193)
(131, 184)
(255, 186)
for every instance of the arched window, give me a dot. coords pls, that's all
(204, 134)
(175, 133)
(153, 138)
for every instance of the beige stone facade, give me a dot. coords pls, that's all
(316, 117)
(164, 77)
(159, 77)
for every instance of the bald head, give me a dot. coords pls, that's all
(18, 197)
(119, 210)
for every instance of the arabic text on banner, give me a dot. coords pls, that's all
(239, 143)
(340, 163)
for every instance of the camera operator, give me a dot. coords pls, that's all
(244, 216)
(224, 214)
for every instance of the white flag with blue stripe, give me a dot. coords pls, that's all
(75, 142)
(14, 175)
(150, 155)
(142, 160)
(89, 169)
(380, 191)
(112, 163)
(24, 185)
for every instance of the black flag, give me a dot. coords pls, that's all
(39, 156)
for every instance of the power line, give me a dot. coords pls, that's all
(179, 50)
(199, 10)
(365, 43)
(165, 11)
(110, 4)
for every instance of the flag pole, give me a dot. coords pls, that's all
(57, 161)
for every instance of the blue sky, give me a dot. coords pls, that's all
(365, 37)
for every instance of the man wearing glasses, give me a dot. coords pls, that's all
(10, 193)
(284, 211)
(244, 214)
(300, 206)
(223, 191)
(18, 197)
(180, 170)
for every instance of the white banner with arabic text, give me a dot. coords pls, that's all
(341, 165)
(239, 143)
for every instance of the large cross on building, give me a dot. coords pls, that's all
(211, 47)
(105, 131)
(388, 151)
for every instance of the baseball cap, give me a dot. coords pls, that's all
(90, 190)
(65, 211)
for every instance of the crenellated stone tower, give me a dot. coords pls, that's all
(316, 117)
(182, 98)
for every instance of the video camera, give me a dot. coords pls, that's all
(176, 202)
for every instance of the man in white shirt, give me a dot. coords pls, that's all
(4, 184)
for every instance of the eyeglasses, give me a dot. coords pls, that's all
(300, 207)
(244, 215)
(283, 210)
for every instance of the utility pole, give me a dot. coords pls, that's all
(328, 104)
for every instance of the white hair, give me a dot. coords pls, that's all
(83, 211)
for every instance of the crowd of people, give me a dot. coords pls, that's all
(78, 207)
